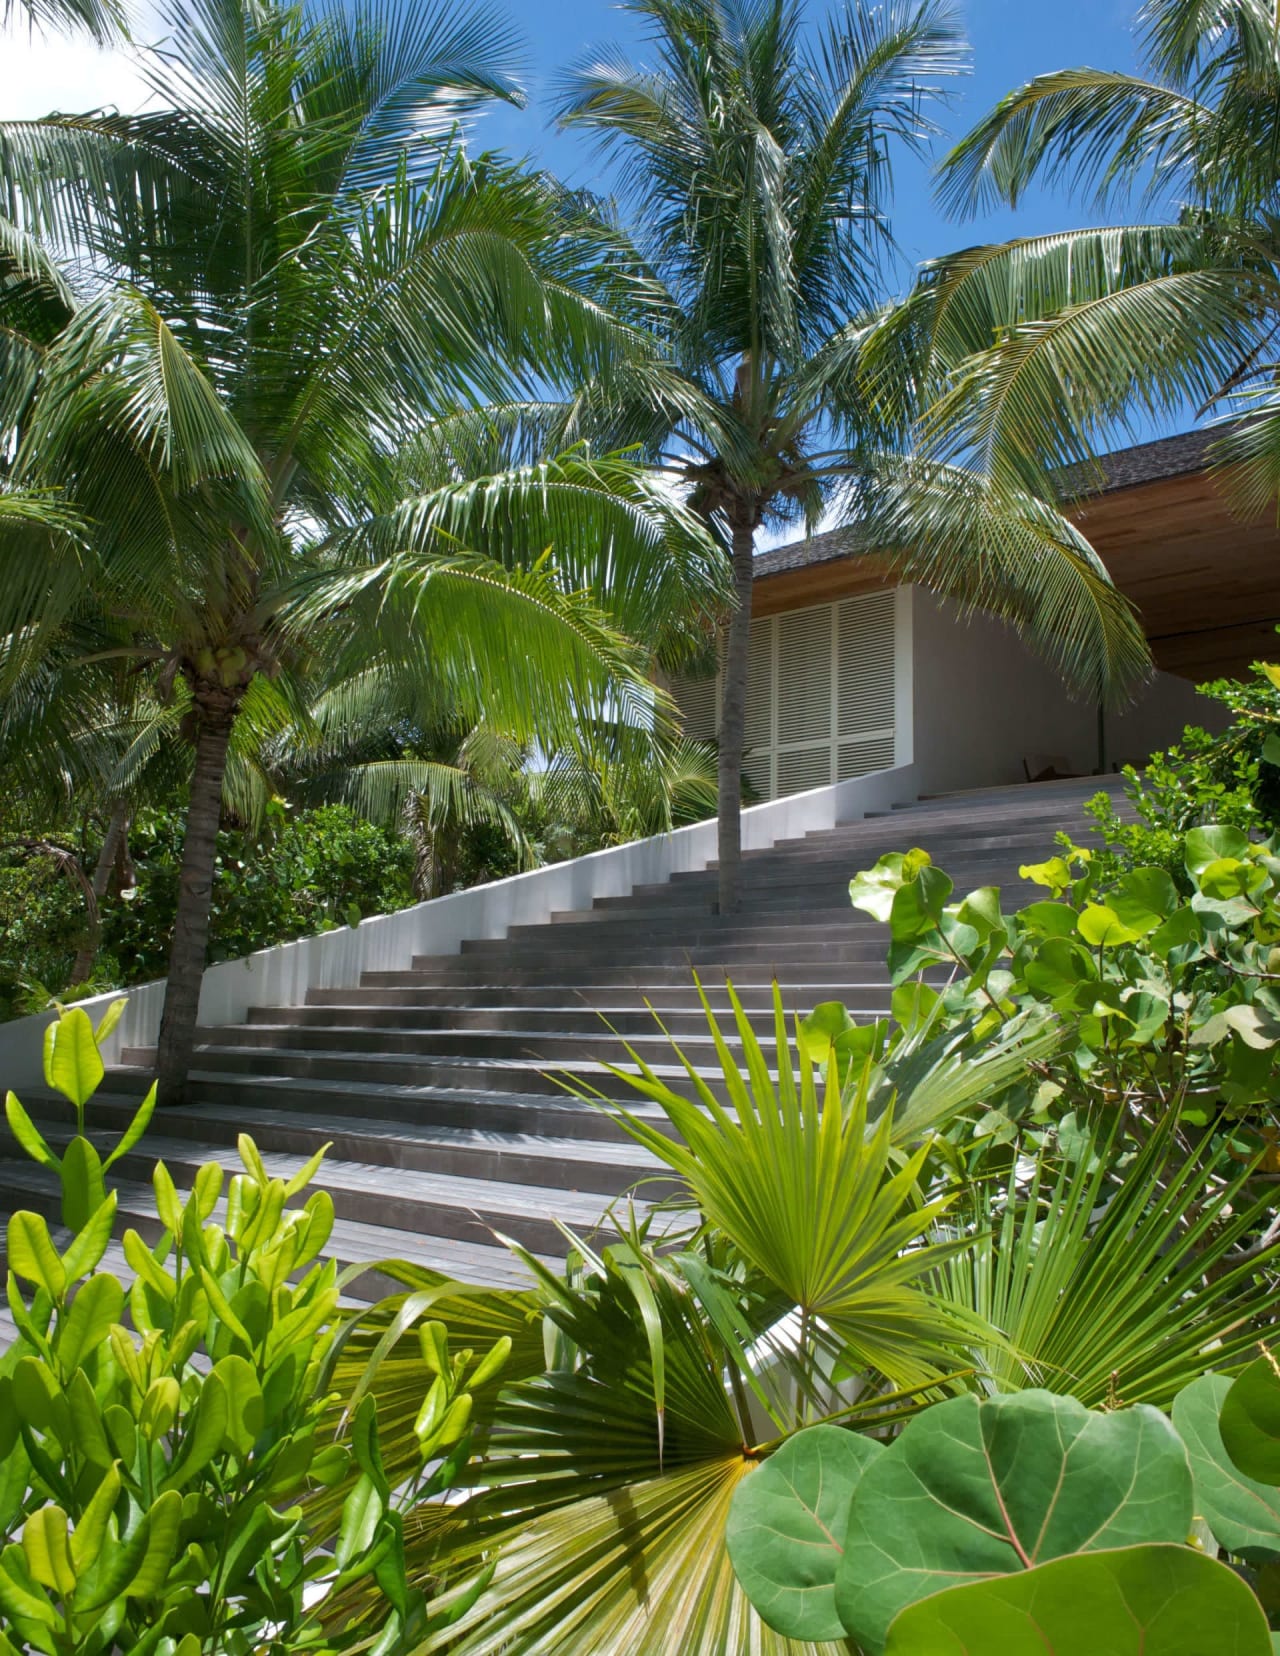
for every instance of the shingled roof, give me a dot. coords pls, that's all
(1186, 451)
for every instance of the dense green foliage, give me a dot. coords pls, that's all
(160, 1435)
(303, 872)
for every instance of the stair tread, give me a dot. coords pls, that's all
(352, 1241)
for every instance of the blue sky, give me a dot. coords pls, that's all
(1011, 41)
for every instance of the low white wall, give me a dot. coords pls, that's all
(983, 703)
(336, 960)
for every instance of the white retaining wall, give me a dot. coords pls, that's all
(335, 960)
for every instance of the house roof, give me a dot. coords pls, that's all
(1177, 456)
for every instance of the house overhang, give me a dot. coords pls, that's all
(1205, 583)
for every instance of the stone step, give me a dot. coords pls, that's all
(552, 1115)
(609, 999)
(538, 1047)
(604, 1023)
(607, 1165)
(831, 979)
(480, 1075)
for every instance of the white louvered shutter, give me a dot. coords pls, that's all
(820, 696)
(865, 690)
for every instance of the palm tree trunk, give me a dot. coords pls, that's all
(195, 898)
(733, 714)
(117, 824)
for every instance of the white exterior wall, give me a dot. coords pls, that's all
(983, 703)
(335, 960)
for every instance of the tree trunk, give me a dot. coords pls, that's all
(195, 897)
(733, 713)
(107, 859)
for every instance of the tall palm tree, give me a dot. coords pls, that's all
(103, 20)
(222, 318)
(1035, 348)
(756, 160)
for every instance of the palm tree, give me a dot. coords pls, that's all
(103, 20)
(756, 162)
(221, 320)
(1034, 349)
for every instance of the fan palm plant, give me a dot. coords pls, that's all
(792, 1279)
(756, 159)
(1034, 349)
(221, 321)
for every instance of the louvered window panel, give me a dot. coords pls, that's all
(865, 648)
(757, 767)
(857, 758)
(800, 768)
(759, 726)
(697, 701)
(804, 677)
(820, 696)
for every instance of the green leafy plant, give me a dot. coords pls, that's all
(1166, 1002)
(991, 1524)
(160, 1438)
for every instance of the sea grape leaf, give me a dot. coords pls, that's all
(1250, 1421)
(1160, 1600)
(990, 1487)
(1243, 1513)
(786, 1529)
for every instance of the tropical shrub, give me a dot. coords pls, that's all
(303, 872)
(1165, 1001)
(1232, 778)
(1019, 1523)
(160, 1439)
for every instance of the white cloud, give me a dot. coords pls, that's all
(41, 73)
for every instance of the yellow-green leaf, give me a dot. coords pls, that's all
(47, 1546)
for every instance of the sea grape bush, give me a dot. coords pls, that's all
(1164, 998)
(162, 1440)
(1025, 1523)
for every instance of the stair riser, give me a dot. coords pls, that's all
(835, 980)
(520, 1044)
(531, 1020)
(513, 1000)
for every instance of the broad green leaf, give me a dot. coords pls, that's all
(1137, 1601)
(1055, 874)
(87, 1422)
(1143, 899)
(20, 1595)
(1182, 927)
(1250, 1421)
(361, 1514)
(874, 889)
(1243, 1514)
(159, 1408)
(83, 1187)
(72, 1063)
(28, 1134)
(85, 1253)
(981, 910)
(205, 1431)
(1049, 919)
(47, 1546)
(163, 1520)
(786, 1526)
(110, 1018)
(136, 1128)
(917, 906)
(1211, 844)
(32, 1255)
(245, 1407)
(98, 1305)
(995, 1486)
(303, 1177)
(1102, 927)
(86, 1543)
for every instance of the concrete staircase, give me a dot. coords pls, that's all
(437, 1085)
